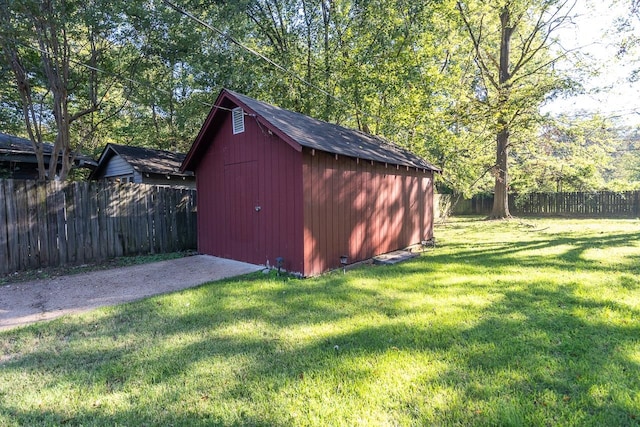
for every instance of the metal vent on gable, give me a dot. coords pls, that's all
(238, 120)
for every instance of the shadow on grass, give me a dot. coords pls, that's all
(570, 254)
(536, 353)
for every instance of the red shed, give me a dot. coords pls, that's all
(276, 184)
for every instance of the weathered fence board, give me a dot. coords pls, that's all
(55, 223)
(602, 204)
(4, 249)
(12, 228)
(593, 204)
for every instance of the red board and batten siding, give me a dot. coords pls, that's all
(263, 196)
(250, 197)
(355, 208)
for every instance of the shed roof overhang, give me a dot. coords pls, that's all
(298, 131)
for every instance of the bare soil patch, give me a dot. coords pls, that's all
(32, 301)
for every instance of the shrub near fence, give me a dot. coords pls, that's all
(66, 223)
(602, 204)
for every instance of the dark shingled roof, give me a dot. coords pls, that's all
(15, 145)
(145, 160)
(304, 131)
(332, 138)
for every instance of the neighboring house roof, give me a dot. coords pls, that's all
(16, 148)
(143, 160)
(304, 131)
(10, 144)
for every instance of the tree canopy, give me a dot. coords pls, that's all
(425, 75)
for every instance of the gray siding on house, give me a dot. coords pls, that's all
(142, 166)
(117, 166)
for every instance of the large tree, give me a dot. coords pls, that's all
(84, 73)
(395, 68)
(38, 40)
(513, 47)
(140, 73)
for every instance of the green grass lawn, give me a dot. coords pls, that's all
(533, 322)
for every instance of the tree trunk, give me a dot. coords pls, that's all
(28, 108)
(501, 189)
(8, 47)
(326, 21)
(308, 19)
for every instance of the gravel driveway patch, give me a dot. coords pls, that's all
(29, 302)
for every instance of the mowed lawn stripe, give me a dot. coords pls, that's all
(522, 322)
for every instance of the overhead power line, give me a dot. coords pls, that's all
(121, 77)
(233, 40)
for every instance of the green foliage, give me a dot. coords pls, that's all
(512, 45)
(393, 68)
(569, 155)
(400, 69)
(504, 323)
(626, 175)
(577, 154)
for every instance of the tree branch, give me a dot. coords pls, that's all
(476, 41)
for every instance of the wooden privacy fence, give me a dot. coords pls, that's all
(592, 204)
(603, 204)
(59, 223)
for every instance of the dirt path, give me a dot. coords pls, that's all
(24, 303)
